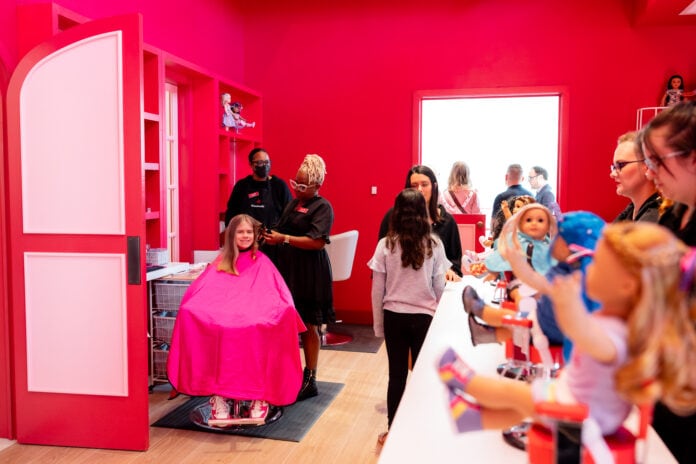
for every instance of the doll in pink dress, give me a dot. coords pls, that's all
(235, 336)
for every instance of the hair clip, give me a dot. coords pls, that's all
(688, 266)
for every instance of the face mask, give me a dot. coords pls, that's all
(262, 171)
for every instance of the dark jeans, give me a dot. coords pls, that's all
(403, 333)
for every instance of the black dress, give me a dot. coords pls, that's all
(448, 232)
(678, 432)
(308, 272)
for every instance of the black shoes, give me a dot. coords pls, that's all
(309, 385)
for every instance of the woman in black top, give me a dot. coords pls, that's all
(668, 144)
(301, 234)
(423, 179)
(260, 195)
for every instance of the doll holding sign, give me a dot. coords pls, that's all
(635, 349)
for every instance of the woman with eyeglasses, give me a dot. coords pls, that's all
(301, 234)
(629, 171)
(668, 144)
(260, 195)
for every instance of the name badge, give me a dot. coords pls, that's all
(302, 210)
(253, 194)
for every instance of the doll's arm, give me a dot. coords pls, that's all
(506, 209)
(520, 266)
(575, 321)
(663, 102)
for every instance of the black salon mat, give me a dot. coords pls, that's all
(296, 421)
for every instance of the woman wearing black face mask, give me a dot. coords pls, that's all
(259, 195)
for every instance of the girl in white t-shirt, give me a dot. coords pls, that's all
(408, 278)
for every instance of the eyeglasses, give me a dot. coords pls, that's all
(261, 163)
(619, 165)
(300, 187)
(533, 177)
(656, 162)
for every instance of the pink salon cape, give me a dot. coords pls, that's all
(236, 335)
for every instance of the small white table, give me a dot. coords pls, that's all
(422, 430)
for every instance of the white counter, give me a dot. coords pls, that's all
(422, 430)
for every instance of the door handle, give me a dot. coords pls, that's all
(133, 260)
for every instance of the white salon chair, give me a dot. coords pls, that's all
(341, 252)
(205, 256)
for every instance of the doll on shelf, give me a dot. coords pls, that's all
(231, 115)
(675, 91)
(636, 349)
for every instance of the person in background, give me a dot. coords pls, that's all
(460, 197)
(235, 319)
(301, 235)
(408, 270)
(628, 171)
(538, 178)
(260, 195)
(668, 146)
(513, 180)
(423, 179)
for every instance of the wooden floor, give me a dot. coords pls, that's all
(345, 433)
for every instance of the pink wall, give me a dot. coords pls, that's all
(208, 33)
(339, 81)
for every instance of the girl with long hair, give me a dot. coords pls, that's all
(408, 278)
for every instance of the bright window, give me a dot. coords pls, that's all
(488, 134)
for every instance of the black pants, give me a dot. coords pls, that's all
(678, 433)
(403, 333)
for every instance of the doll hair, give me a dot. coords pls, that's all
(676, 76)
(459, 175)
(315, 168)
(409, 226)
(230, 252)
(661, 335)
(225, 98)
(500, 218)
(680, 121)
(433, 208)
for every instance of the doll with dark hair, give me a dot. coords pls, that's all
(675, 91)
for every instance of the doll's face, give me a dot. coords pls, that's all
(675, 82)
(244, 235)
(535, 223)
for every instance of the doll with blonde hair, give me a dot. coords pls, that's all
(635, 349)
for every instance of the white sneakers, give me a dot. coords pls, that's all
(220, 413)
